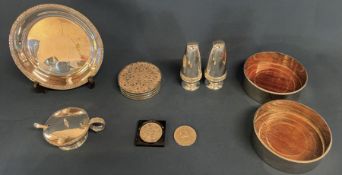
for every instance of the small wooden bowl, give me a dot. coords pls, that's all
(273, 75)
(290, 136)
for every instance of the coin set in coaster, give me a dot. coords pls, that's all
(150, 133)
(57, 47)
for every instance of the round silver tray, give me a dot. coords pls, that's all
(56, 46)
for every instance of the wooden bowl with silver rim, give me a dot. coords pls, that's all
(274, 75)
(290, 136)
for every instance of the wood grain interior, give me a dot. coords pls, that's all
(292, 130)
(275, 72)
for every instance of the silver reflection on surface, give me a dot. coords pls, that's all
(191, 71)
(67, 123)
(59, 46)
(61, 67)
(68, 128)
(216, 70)
(33, 47)
(52, 61)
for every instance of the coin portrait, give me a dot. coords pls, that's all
(185, 135)
(151, 132)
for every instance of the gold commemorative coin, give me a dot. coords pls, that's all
(151, 132)
(185, 135)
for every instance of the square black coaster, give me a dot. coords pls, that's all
(159, 143)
